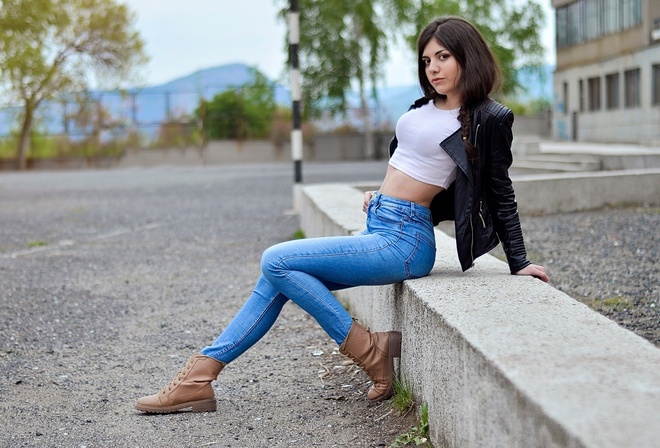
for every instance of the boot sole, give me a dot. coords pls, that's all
(209, 405)
(394, 352)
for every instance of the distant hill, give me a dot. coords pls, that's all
(214, 80)
(150, 106)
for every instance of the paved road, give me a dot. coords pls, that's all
(110, 280)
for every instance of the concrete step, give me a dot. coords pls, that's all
(556, 163)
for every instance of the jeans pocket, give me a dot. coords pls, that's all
(388, 215)
(422, 258)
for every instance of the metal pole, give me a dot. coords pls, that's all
(296, 94)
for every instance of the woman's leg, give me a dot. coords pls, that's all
(251, 323)
(397, 245)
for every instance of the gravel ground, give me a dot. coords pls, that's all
(110, 280)
(608, 259)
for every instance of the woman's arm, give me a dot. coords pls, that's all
(502, 200)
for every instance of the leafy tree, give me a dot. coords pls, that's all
(242, 113)
(345, 43)
(511, 28)
(49, 47)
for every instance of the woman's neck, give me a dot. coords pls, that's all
(447, 102)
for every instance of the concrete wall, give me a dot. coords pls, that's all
(324, 148)
(562, 193)
(501, 360)
(215, 153)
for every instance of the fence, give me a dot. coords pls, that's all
(104, 122)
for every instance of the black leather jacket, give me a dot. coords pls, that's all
(481, 200)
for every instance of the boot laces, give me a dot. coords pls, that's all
(359, 364)
(181, 374)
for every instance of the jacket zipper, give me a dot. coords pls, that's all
(483, 221)
(471, 242)
(476, 137)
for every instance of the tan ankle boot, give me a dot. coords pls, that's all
(374, 353)
(191, 387)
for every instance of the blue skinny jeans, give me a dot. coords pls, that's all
(398, 244)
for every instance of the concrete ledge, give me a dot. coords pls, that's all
(570, 192)
(502, 361)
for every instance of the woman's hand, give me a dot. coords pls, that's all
(535, 271)
(367, 198)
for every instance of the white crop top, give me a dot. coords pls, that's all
(419, 154)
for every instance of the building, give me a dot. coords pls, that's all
(607, 78)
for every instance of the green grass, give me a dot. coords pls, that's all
(403, 402)
(37, 244)
(298, 235)
(418, 435)
(616, 303)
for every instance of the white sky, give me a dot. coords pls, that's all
(184, 36)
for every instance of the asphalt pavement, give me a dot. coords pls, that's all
(110, 280)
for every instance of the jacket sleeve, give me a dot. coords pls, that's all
(500, 195)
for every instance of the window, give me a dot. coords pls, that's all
(631, 83)
(612, 91)
(581, 94)
(584, 20)
(611, 16)
(631, 11)
(656, 84)
(593, 85)
(566, 98)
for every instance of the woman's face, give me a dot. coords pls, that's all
(442, 69)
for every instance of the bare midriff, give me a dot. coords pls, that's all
(399, 185)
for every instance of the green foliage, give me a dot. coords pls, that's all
(178, 133)
(534, 107)
(418, 434)
(611, 304)
(403, 400)
(510, 28)
(298, 235)
(49, 47)
(341, 43)
(243, 113)
(345, 42)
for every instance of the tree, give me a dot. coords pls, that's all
(241, 113)
(511, 28)
(345, 42)
(49, 47)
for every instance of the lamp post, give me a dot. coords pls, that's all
(296, 92)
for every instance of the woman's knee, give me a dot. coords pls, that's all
(271, 259)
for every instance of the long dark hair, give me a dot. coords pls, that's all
(480, 73)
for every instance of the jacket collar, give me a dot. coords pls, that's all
(454, 147)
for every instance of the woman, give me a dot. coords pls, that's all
(449, 160)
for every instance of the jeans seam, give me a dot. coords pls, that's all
(240, 340)
(316, 300)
